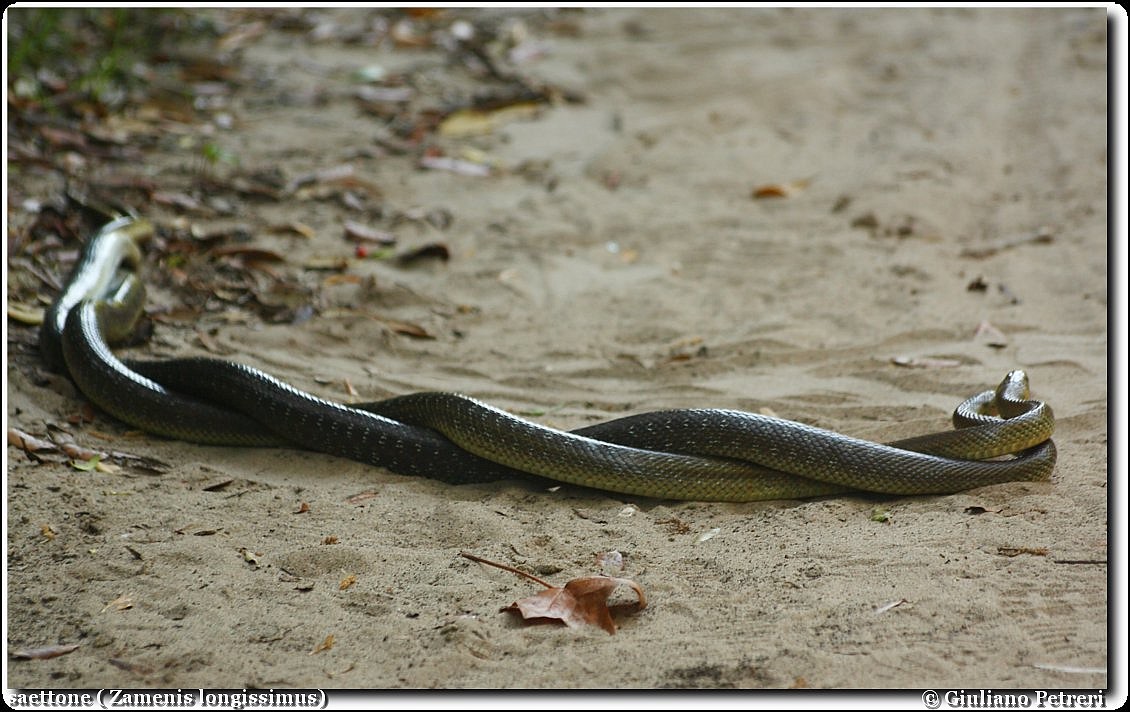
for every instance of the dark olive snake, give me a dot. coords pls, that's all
(691, 454)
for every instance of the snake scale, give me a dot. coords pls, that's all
(699, 454)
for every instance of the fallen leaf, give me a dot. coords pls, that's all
(43, 653)
(78, 452)
(323, 646)
(28, 443)
(361, 497)
(583, 601)
(707, 535)
(29, 314)
(294, 227)
(358, 232)
(87, 465)
(181, 201)
(406, 328)
(476, 122)
(251, 254)
(924, 362)
(249, 556)
(343, 175)
(435, 250)
(976, 509)
(977, 285)
(331, 263)
(455, 165)
(121, 603)
(888, 606)
(867, 221)
(780, 190)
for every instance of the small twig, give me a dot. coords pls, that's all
(504, 567)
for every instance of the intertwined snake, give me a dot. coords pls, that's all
(678, 454)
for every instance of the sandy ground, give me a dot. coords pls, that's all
(950, 169)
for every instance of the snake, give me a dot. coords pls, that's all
(706, 454)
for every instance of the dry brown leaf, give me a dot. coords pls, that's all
(432, 250)
(43, 653)
(293, 228)
(180, 201)
(251, 254)
(358, 232)
(121, 603)
(780, 190)
(327, 181)
(28, 443)
(361, 497)
(327, 263)
(406, 328)
(583, 601)
(81, 454)
(323, 646)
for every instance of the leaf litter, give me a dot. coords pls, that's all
(580, 602)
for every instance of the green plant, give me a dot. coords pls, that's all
(92, 51)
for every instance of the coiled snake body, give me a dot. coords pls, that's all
(679, 454)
